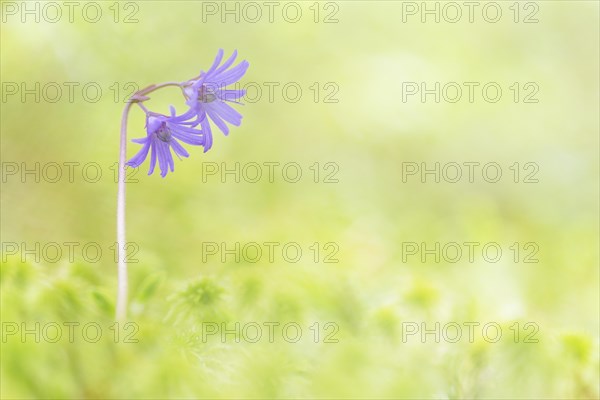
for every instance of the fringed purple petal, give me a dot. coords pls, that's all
(170, 156)
(214, 116)
(193, 139)
(208, 140)
(216, 62)
(231, 94)
(162, 158)
(140, 140)
(179, 149)
(141, 155)
(227, 63)
(153, 156)
(233, 75)
(227, 112)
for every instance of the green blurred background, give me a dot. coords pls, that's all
(371, 295)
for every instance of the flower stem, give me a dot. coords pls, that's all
(121, 308)
(121, 311)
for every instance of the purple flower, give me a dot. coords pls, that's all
(207, 96)
(164, 134)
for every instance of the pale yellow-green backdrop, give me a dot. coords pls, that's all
(364, 59)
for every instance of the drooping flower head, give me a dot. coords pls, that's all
(163, 134)
(208, 97)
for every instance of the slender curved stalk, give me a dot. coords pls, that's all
(121, 308)
(121, 311)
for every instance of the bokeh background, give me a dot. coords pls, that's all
(373, 293)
